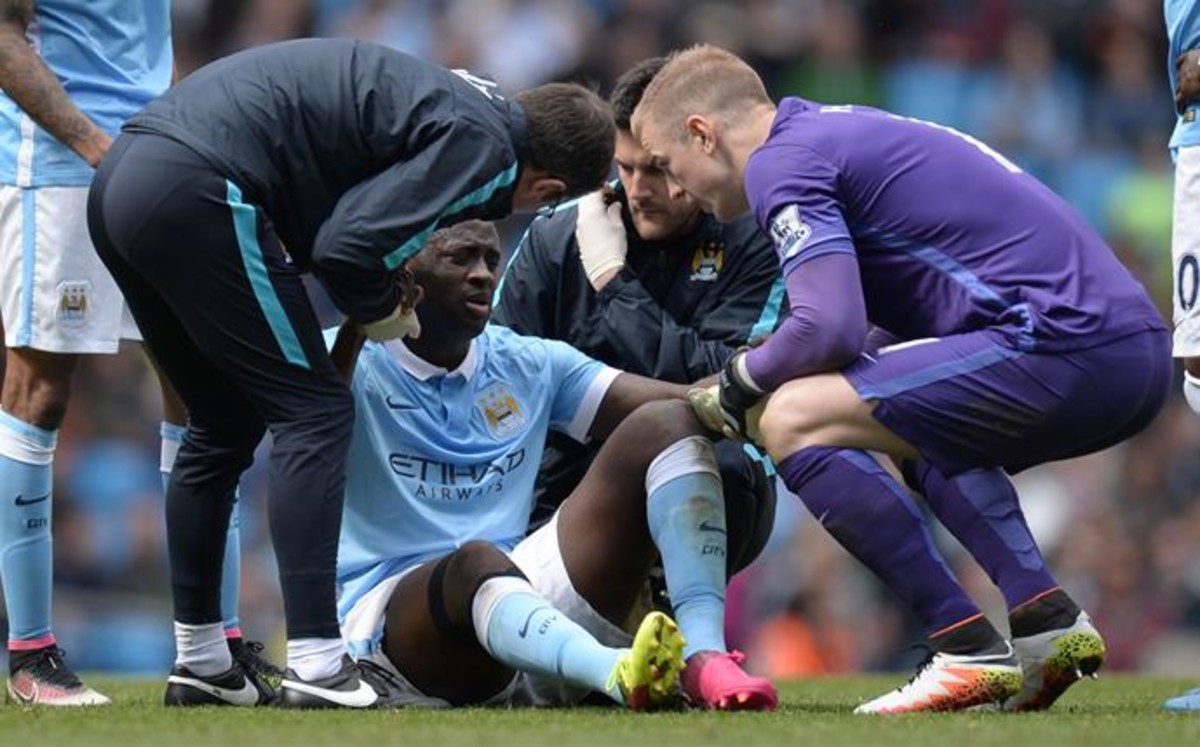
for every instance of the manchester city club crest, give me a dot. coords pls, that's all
(501, 411)
(74, 297)
(707, 262)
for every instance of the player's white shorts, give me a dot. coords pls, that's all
(55, 293)
(1185, 252)
(539, 558)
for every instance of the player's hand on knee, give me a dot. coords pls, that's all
(738, 395)
(706, 403)
(600, 234)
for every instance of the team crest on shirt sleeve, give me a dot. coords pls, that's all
(789, 232)
(501, 411)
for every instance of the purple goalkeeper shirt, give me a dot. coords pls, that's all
(947, 237)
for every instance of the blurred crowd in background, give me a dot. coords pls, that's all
(1075, 91)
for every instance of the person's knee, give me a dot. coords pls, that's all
(456, 580)
(227, 439)
(37, 386)
(316, 423)
(663, 422)
(333, 417)
(787, 423)
(475, 562)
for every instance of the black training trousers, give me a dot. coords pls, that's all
(225, 316)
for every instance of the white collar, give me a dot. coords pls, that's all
(423, 370)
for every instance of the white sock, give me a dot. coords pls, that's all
(315, 658)
(202, 648)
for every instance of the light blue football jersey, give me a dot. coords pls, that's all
(112, 57)
(1183, 33)
(439, 458)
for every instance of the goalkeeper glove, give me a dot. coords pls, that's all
(738, 393)
(707, 405)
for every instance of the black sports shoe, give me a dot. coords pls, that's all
(41, 677)
(358, 684)
(249, 655)
(234, 687)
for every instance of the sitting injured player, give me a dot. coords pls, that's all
(439, 585)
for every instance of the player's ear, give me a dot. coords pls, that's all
(548, 189)
(545, 193)
(538, 189)
(701, 130)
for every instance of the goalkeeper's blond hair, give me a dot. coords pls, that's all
(704, 80)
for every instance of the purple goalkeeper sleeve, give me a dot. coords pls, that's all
(825, 329)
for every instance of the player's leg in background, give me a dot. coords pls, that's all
(1185, 263)
(53, 309)
(655, 486)
(459, 628)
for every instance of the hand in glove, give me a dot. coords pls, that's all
(600, 234)
(738, 393)
(706, 402)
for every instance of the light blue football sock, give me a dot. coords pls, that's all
(231, 574)
(520, 628)
(685, 509)
(26, 548)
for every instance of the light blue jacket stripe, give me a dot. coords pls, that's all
(521, 245)
(771, 310)
(246, 228)
(28, 262)
(477, 197)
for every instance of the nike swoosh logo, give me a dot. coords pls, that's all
(706, 527)
(398, 405)
(365, 696)
(247, 695)
(22, 502)
(525, 628)
(26, 698)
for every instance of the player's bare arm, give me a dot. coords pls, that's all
(627, 393)
(27, 80)
(346, 347)
(1187, 79)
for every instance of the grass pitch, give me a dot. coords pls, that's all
(1116, 710)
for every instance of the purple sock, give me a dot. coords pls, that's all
(873, 517)
(980, 508)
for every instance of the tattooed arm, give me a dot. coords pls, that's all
(27, 80)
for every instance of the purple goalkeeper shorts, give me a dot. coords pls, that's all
(969, 401)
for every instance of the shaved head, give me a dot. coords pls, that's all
(704, 80)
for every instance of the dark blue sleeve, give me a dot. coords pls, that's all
(383, 221)
(825, 329)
